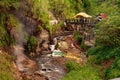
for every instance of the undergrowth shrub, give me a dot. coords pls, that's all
(72, 66)
(114, 70)
(31, 44)
(99, 54)
(80, 40)
(102, 53)
(79, 72)
(78, 37)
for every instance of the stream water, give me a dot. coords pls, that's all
(54, 67)
(50, 68)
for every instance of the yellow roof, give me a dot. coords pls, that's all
(82, 14)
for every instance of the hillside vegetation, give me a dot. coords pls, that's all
(104, 56)
(6, 66)
(107, 46)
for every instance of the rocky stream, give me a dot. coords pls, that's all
(47, 61)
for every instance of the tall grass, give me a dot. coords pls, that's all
(6, 67)
(80, 72)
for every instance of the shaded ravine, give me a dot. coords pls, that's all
(24, 64)
(48, 66)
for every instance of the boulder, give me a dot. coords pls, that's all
(45, 46)
(63, 45)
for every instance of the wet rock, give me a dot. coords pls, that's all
(45, 53)
(32, 54)
(45, 46)
(42, 41)
(31, 65)
(44, 34)
(33, 76)
(38, 48)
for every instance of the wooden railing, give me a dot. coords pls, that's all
(84, 25)
(80, 21)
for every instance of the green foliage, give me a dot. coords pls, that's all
(83, 74)
(80, 40)
(65, 8)
(26, 37)
(72, 66)
(5, 7)
(107, 44)
(5, 38)
(82, 45)
(118, 3)
(51, 29)
(77, 5)
(114, 70)
(87, 5)
(40, 10)
(78, 72)
(6, 67)
(31, 44)
(7, 4)
(78, 37)
(110, 37)
(61, 9)
(55, 9)
(102, 53)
